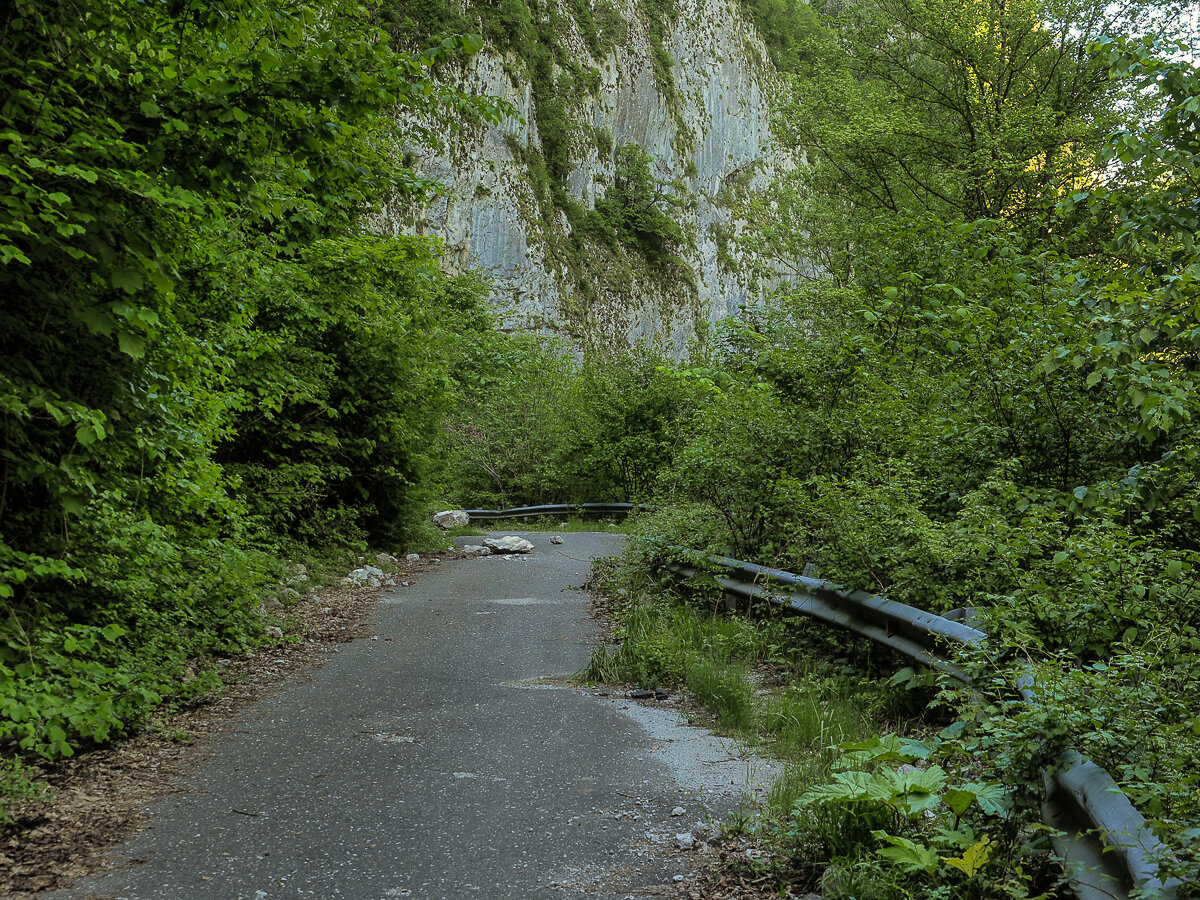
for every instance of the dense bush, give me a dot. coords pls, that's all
(1001, 415)
(341, 386)
(543, 427)
(631, 211)
(204, 360)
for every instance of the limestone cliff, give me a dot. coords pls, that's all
(704, 123)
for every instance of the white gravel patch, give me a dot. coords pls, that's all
(700, 760)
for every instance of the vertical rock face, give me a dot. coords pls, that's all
(706, 130)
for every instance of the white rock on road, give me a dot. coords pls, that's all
(508, 544)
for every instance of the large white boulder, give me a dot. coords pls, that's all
(508, 544)
(451, 518)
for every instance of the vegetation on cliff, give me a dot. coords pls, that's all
(555, 49)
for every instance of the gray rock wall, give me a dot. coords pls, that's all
(489, 219)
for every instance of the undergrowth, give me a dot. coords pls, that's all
(880, 795)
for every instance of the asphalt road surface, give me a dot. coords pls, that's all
(436, 761)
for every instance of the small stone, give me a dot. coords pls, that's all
(413, 557)
(678, 811)
(556, 540)
(327, 610)
(374, 637)
(641, 695)
(275, 632)
(389, 582)
(386, 559)
(475, 550)
(685, 841)
(678, 879)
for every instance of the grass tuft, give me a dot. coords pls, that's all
(724, 688)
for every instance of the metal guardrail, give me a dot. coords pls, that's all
(913, 632)
(553, 509)
(1106, 848)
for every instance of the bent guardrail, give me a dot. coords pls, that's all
(1103, 841)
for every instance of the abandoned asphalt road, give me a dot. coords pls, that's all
(435, 761)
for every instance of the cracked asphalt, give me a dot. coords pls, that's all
(443, 758)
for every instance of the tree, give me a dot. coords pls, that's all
(966, 111)
(164, 166)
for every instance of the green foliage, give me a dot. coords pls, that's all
(532, 426)
(992, 412)
(631, 212)
(18, 782)
(206, 362)
(911, 108)
(62, 693)
(925, 822)
(788, 28)
(344, 338)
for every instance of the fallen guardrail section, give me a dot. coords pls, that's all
(1106, 849)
